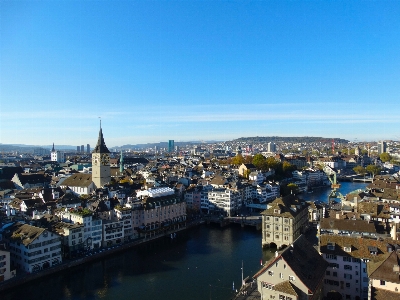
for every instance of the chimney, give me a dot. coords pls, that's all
(276, 253)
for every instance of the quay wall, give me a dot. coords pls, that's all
(21, 279)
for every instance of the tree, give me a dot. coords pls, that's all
(384, 157)
(238, 160)
(272, 163)
(360, 170)
(259, 160)
(373, 169)
(287, 167)
(248, 159)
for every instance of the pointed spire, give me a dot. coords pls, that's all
(52, 150)
(101, 145)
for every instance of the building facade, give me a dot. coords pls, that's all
(284, 221)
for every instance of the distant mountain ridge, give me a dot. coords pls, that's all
(280, 139)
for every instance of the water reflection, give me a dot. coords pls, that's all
(201, 261)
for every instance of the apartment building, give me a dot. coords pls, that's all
(348, 258)
(92, 232)
(295, 273)
(226, 202)
(156, 211)
(32, 248)
(284, 221)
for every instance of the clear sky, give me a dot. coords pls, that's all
(198, 70)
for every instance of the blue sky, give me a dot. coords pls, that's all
(198, 70)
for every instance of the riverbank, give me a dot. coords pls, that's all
(69, 264)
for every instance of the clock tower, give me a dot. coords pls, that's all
(101, 173)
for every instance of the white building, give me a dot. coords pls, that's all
(57, 156)
(113, 232)
(226, 201)
(5, 268)
(124, 214)
(32, 248)
(92, 232)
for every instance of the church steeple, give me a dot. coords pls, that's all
(52, 150)
(101, 145)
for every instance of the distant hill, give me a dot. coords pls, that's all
(280, 139)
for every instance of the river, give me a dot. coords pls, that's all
(201, 263)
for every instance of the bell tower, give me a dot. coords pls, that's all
(101, 173)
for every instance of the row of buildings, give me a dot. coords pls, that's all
(356, 254)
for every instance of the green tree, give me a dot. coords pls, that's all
(288, 167)
(272, 163)
(259, 160)
(384, 157)
(373, 169)
(360, 170)
(238, 160)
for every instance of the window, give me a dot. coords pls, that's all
(330, 246)
(291, 278)
(347, 267)
(383, 282)
(347, 284)
(334, 274)
(277, 237)
(328, 272)
(345, 258)
(348, 276)
(271, 273)
(331, 256)
(334, 265)
(280, 275)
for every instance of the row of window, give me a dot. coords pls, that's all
(344, 258)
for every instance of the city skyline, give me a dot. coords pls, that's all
(197, 70)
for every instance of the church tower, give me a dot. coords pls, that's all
(101, 173)
(57, 156)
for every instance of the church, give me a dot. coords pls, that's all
(81, 183)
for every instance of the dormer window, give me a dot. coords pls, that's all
(373, 250)
(330, 246)
(271, 273)
(347, 248)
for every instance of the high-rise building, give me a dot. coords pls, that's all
(82, 149)
(101, 173)
(88, 148)
(271, 147)
(171, 145)
(78, 149)
(381, 147)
